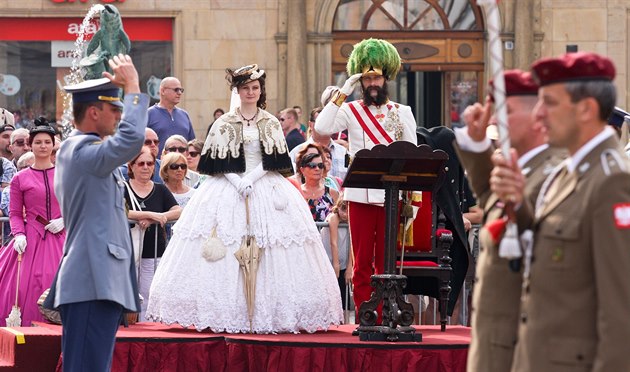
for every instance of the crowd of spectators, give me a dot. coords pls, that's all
(163, 176)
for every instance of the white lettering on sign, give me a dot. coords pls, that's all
(62, 53)
(75, 28)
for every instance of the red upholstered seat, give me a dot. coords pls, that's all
(419, 238)
(426, 258)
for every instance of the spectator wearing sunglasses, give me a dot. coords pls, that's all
(152, 142)
(173, 172)
(165, 118)
(19, 144)
(337, 151)
(177, 143)
(313, 148)
(320, 198)
(194, 150)
(158, 206)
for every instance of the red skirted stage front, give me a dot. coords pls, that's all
(155, 347)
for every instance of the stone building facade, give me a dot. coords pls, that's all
(302, 44)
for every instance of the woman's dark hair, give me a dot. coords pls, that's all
(218, 110)
(302, 153)
(42, 126)
(241, 76)
(309, 158)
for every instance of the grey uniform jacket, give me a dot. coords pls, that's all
(98, 260)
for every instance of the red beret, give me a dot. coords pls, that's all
(581, 66)
(517, 83)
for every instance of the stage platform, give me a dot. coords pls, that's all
(156, 347)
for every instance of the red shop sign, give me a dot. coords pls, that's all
(85, 1)
(67, 28)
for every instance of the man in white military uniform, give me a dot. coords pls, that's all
(371, 121)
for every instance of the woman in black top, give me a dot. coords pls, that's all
(157, 206)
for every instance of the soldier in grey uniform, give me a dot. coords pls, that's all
(96, 280)
(576, 297)
(497, 290)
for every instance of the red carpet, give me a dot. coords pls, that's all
(155, 347)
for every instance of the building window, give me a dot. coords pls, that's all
(407, 15)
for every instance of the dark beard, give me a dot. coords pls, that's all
(381, 96)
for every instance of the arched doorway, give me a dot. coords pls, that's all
(441, 43)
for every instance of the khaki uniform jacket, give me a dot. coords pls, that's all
(497, 290)
(576, 300)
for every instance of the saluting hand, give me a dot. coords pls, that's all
(125, 73)
(476, 117)
(348, 87)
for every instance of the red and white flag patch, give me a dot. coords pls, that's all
(621, 212)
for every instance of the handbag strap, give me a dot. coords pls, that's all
(135, 205)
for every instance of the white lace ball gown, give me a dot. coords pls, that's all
(296, 288)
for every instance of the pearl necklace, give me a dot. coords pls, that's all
(250, 119)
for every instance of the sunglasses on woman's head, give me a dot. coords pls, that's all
(147, 163)
(194, 154)
(314, 165)
(175, 166)
(177, 149)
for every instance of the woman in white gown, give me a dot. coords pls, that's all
(246, 155)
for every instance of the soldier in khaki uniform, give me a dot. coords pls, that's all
(496, 295)
(576, 293)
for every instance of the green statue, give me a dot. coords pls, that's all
(107, 42)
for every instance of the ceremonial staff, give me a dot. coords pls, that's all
(509, 247)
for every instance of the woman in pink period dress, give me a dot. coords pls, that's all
(37, 228)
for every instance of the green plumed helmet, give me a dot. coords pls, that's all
(376, 54)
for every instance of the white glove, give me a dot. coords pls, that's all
(19, 243)
(245, 187)
(55, 225)
(348, 87)
(234, 179)
(256, 173)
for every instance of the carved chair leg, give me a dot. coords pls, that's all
(445, 290)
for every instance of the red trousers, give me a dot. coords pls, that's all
(367, 231)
